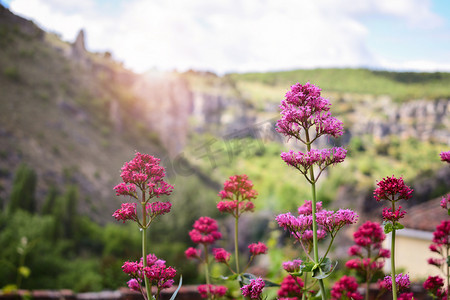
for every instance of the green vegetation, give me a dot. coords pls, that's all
(401, 86)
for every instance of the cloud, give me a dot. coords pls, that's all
(230, 35)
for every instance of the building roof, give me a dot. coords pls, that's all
(425, 216)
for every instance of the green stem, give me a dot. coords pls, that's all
(206, 264)
(394, 287)
(314, 224)
(236, 244)
(144, 260)
(448, 274)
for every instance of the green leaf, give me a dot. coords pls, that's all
(308, 267)
(230, 278)
(398, 226)
(388, 227)
(270, 283)
(325, 269)
(178, 288)
(9, 288)
(448, 260)
(24, 271)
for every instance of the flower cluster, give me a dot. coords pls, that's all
(127, 211)
(393, 216)
(445, 156)
(442, 233)
(303, 108)
(254, 288)
(212, 291)
(332, 221)
(445, 202)
(156, 272)
(236, 195)
(221, 255)
(434, 285)
(392, 189)
(291, 287)
(319, 157)
(346, 288)
(292, 266)
(192, 252)
(144, 172)
(205, 231)
(402, 282)
(257, 248)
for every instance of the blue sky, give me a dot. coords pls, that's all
(255, 35)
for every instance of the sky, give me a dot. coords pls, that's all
(254, 35)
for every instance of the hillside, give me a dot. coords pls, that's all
(75, 117)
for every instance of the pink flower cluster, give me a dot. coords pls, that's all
(143, 171)
(369, 234)
(364, 264)
(292, 266)
(303, 108)
(321, 158)
(445, 156)
(192, 252)
(257, 248)
(127, 211)
(236, 196)
(442, 233)
(332, 221)
(389, 215)
(213, 291)
(434, 285)
(291, 287)
(392, 189)
(254, 288)
(346, 288)
(402, 282)
(158, 208)
(156, 271)
(221, 255)
(205, 231)
(445, 202)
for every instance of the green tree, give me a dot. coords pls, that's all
(23, 190)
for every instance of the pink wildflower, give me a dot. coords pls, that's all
(291, 287)
(238, 188)
(143, 171)
(442, 233)
(369, 234)
(445, 202)
(292, 266)
(191, 252)
(392, 189)
(332, 222)
(306, 208)
(158, 208)
(434, 285)
(346, 288)
(355, 250)
(322, 158)
(221, 255)
(134, 285)
(303, 108)
(445, 156)
(257, 248)
(205, 231)
(215, 291)
(127, 211)
(294, 224)
(402, 282)
(254, 288)
(438, 262)
(388, 215)
(405, 296)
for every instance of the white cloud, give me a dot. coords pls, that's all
(230, 35)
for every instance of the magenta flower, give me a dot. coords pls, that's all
(405, 296)
(291, 287)
(158, 208)
(306, 208)
(292, 266)
(438, 262)
(127, 211)
(205, 231)
(392, 189)
(395, 216)
(134, 285)
(434, 285)
(402, 282)
(346, 288)
(236, 196)
(254, 288)
(304, 108)
(192, 252)
(445, 156)
(441, 234)
(215, 291)
(294, 224)
(221, 255)
(143, 171)
(321, 158)
(257, 248)
(369, 234)
(332, 222)
(445, 202)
